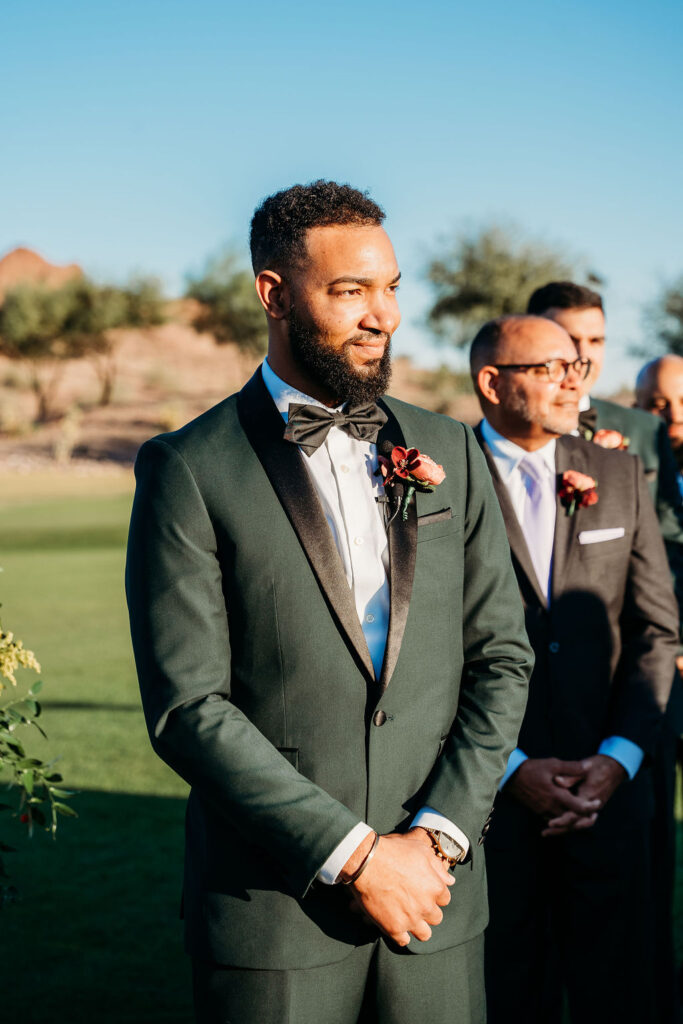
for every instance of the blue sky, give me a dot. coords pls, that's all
(139, 136)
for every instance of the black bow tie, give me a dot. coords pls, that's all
(309, 425)
(588, 421)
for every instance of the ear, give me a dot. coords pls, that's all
(488, 382)
(272, 291)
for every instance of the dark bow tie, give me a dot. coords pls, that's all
(309, 425)
(588, 421)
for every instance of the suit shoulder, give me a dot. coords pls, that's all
(637, 422)
(596, 459)
(199, 432)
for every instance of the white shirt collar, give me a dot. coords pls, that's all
(508, 455)
(584, 403)
(283, 394)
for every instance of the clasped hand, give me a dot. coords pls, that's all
(568, 794)
(404, 887)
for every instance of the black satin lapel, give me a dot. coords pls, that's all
(526, 574)
(568, 455)
(283, 463)
(402, 556)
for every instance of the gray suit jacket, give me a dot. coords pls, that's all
(605, 645)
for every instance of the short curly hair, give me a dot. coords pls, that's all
(280, 223)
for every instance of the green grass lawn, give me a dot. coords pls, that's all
(97, 936)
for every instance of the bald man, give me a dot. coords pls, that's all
(569, 843)
(659, 389)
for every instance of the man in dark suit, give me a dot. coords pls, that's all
(568, 850)
(580, 311)
(341, 685)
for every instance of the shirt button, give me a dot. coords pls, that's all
(344, 468)
(379, 717)
(358, 541)
(369, 618)
(553, 647)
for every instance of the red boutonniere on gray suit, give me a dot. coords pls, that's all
(611, 439)
(415, 470)
(577, 490)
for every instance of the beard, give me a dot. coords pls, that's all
(333, 370)
(677, 448)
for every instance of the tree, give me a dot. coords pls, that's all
(46, 326)
(489, 273)
(96, 314)
(663, 320)
(32, 319)
(231, 310)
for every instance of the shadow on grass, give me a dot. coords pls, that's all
(97, 935)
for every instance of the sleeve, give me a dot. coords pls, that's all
(179, 627)
(497, 664)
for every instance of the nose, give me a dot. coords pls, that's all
(382, 313)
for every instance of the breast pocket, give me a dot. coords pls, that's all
(616, 548)
(432, 528)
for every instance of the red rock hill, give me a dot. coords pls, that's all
(23, 266)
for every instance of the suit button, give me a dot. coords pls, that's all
(379, 717)
(553, 647)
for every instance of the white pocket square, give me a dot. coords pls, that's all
(596, 536)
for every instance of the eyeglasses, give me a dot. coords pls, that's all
(555, 370)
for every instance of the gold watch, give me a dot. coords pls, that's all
(446, 847)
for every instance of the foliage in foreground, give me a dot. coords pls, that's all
(40, 793)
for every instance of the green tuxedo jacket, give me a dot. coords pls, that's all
(649, 440)
(258, 688)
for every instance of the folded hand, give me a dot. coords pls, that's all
(403, 887)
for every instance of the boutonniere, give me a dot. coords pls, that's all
(577, 491)
(611, 439)
(414, 470)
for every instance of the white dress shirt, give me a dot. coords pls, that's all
(342, 471)
(507, 457)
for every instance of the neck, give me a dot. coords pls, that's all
(529, 436)
(287, 370)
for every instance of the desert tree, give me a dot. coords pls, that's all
(229, 306)
(489, 272)
(663, 321)
(32, 319)
(98, 315)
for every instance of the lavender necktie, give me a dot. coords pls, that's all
(538, 518)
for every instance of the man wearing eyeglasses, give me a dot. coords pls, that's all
(569, 844)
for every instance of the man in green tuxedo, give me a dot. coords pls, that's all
(331, 651)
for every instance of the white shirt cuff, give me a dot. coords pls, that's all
(331, 869)
(628, 754)
(514, 761)
(427, 817)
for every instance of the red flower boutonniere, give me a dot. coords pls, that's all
(577, 491)
(413, 469)
(611, 439)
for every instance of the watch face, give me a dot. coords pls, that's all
(449, 846)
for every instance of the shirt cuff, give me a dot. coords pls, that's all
(427, 817)
(331, 869)
(628, 754)
(514, 760)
